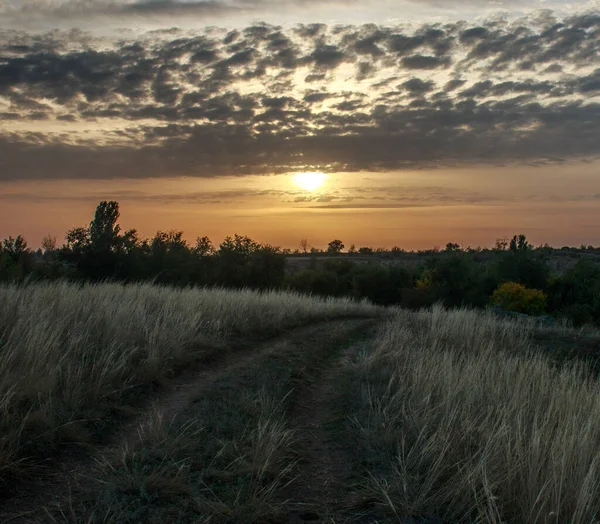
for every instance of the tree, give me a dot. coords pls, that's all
(454, 279)
(130, 240)
(104, 230)
(304, 245)
(15, 246)
(352, 249)
(49, 243)
(501, 244)
(365, 250)
(168, 241)
(523, 265)
(519, 244)
(77, 238)
(204, 247)
(16, 260)
(452, 246)
(576, 293)
(239, 244)
(512, 296)
(335, 246)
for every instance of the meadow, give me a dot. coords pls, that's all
(142, 403)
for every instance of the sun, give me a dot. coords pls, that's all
(310, 180)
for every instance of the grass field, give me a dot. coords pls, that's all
(146, 404)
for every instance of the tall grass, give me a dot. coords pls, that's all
(69, 355)
(461, 420)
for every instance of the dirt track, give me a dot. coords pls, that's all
(324, 466)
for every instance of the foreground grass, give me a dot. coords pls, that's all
(224, 458)
(458, 419)
(73, 357)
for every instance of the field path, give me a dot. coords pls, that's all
(321, 491)
(66, 479)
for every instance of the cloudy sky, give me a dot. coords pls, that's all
(433, 122)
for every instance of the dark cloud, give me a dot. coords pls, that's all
(327, 57)
(418, 86)
(454, 84)
(474, 34)
(316, 97)
(368, 46)
(238, 102)
(590, 83)
(425, 62)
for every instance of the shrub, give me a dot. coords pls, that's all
(576, 293)
(516, 297)
(454, 279)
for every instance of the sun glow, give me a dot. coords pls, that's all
(310, 181)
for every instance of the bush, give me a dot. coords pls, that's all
(523, 266)
(576, 293)
(455, 280)
(516, 297)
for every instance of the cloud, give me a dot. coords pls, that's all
(25, 11)
(233, 196)
(416, 86)
(425, 62)
(264, 99)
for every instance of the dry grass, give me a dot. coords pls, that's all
(176, 472)
(461, 420)
(454, 414)
(72, 355)
(228, 456)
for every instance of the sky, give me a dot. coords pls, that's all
(426, 121)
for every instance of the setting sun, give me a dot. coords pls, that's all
(310, 180)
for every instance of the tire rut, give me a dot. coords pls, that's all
(320, 492)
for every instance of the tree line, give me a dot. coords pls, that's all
(514, 274)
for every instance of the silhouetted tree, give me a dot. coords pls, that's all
(452, 246)
(204, 247)
(104, 230)
(519, 244)
(130, 240)
(335, 246)
(16, 259)
(522, 265)
(501, 244)
(49, 243)
(78, 238)
(14, 246)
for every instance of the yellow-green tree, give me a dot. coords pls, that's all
(512, 296)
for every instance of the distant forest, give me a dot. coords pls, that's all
(513, 277)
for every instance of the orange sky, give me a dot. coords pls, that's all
(196, 116)
(414, 209)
